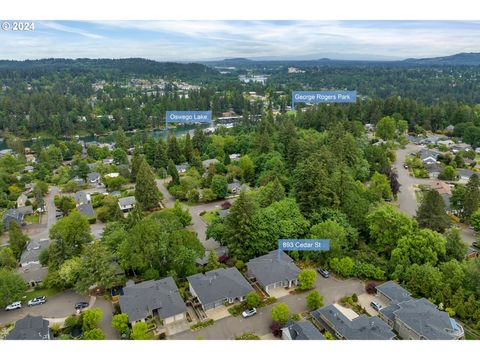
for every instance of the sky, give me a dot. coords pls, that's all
(214, 40)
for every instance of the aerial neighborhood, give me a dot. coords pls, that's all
(115, 227)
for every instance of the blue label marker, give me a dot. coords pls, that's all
(188, 117)
(323, 97)
(303, 245)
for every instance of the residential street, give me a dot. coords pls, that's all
(407, 200)
(331, 289)
(198, 225)
(58, 306)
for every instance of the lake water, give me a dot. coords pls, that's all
(178, 131)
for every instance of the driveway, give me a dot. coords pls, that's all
(331, 289)
(58, 306)
(106, 323)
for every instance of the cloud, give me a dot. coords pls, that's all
(201, 40)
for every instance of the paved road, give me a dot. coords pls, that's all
(407, 200)
(230, 327)
(198, 225)
(58, 306)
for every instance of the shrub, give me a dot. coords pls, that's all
(253, 299)
(202, 324)
(314, 300)
(248, 336)
(307, 279)
(371, 288)
(276, 328)
(240, 265)
(281, 313)
(296, 317)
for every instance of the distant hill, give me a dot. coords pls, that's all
(470, 59)
(115, 67)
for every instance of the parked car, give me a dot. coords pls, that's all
(376, 306)
(475, 244)
(249, 312)
(81, 305)
(14, 306)
(323, 272)
(37, 301)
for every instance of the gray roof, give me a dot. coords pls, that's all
(424, 318)
(93, 176)
(219, 284)
(206, 163)
(127, 201)
(236, 186)
(426, 153)
(87, 210)
(141, 299)
(12, 215)
(393, 291)
(221, 251)
(25, 210)
(30, 328)
(32, 251)
(303, 330)
(465, 173)
(271, 268)
(81, 197)
(360, 328)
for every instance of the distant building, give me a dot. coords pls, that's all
(31, 254)
(221, 251)
(93, 178)
(82, 197)
(87, 210)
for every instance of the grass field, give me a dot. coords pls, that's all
(42, 292)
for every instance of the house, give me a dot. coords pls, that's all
(442, 187)
(12, 215)
(465, 175)
(460, 147)
(206, 163)
(235, 187)
(127, 203)
(108, 161)
(273, 270)
(434, 169)
(417, 319)
(28, 169)
(82, 197)
(234, 157)
(25, 210)
(219, 286)
(112, 175)
(369, 127)
(428, 156)
(449, 129)
(301, 330)
(362, 327)
(22, 200)
(181, 169)
(31, 328)
(78, 181)
(93, 178)
(151, 298)
(221, 251)
(87, 210)
(31, 254)
(447, 143)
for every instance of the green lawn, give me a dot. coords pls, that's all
(209, 216)
(42, 292)
(32, 219)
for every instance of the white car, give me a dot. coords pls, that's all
(14, 306)
(249, 312)
(37, 301)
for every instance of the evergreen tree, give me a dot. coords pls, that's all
(188, 148)
(213, 262)
(173, 150)
(16, 239)
(161, 158)
(121, 140)
(172, 171)
(137, 159)
(471, 201)
(146, 191)
(239, 224)
(431, 213)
